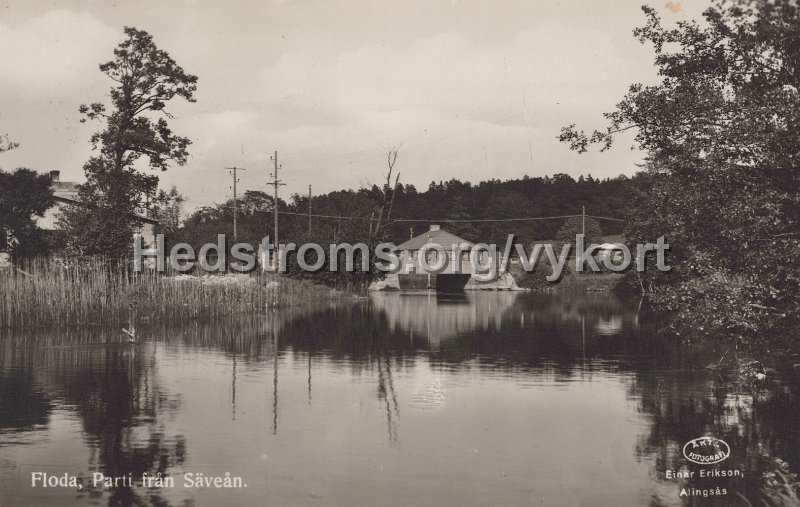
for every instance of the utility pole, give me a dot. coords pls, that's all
(583, 220)
(426, 254)
(276, 183)
(309, 210)
(235, 180)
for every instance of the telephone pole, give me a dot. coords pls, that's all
(276, 183)
(309, 209)
(235, 180)
(583, 220)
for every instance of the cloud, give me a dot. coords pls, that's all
(447, 74)
(460, 109)
(50, 68)
(330, 91)
(55, 51)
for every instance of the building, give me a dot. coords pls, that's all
(611, 247)
(65, 193)
(454, 269)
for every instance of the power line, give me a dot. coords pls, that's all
(418, 220)
(459, 220)
(606, 218)
(520, 219)
(276, 183)
(350, 217)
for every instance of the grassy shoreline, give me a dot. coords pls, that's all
(570, 280)
(51, 293)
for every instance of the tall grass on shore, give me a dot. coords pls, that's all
(53, 293)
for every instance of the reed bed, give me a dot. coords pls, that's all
(55, 293)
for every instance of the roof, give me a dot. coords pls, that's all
(64, 185)
(610, 242)
(66, 200)
(440, 237)
(614, 238)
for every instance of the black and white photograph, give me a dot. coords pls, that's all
(400, 253)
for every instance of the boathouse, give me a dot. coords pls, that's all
(450, 254)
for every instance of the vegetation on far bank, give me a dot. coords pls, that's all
(721, 181)
(52, 293)
(570, 280)
(719, 130)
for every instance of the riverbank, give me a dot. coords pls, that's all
(297, 383)
(49, 293)
(570, 280)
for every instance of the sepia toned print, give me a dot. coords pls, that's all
(383, 252)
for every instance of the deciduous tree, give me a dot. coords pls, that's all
(145, 79)
(24, 194)
(720, 131)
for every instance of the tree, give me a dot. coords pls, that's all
(458, 211)
(23, 195)
(167, 208)
(146, 78)
(575, 225)
(509, 204)
(6, 144)
(383, 212)
(720, 131)
(381, 218)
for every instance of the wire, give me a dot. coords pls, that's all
(485, 219)
(475, 220)
(606, 218)
(459, 220)
(320, 216)
(417, 220)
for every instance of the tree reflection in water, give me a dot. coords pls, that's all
(758, 425)
(112, 387)
(125, 407)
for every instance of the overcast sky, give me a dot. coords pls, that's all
(471, 89)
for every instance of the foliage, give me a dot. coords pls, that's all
(167, 209)
(146, 78)
(105, 221)
(344, 209)
(254, 220)
(721, 181)
(781, 486)
(575, 225)
(59, 292)
(507, 203)
(459, 211)
(347, 214)
(6, 144)
(23, 195)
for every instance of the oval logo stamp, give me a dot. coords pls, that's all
(706, 450)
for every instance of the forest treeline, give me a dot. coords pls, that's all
(349, 212)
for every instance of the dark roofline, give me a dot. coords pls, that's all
(67, 200)
(434, 237)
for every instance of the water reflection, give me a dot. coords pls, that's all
(111, 388)
(479, 398)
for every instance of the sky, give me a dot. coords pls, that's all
(468, 89)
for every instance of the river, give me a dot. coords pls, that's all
(399, 399)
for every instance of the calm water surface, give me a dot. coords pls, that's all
(401, 399)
